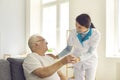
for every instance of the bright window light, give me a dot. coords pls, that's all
(119, 26)
(64, 23)
(49, 25)
(47, 1)
(55, 23)
(112, 28)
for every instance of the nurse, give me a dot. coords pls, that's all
(83, 42)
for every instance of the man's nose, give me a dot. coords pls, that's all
(46, 42)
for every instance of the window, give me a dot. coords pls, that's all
(112, 28)
(55, 22)
(47, 1)
(119, 24)
(49, 25)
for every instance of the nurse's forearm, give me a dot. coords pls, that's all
(65, 51)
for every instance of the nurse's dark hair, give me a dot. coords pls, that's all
(85, 20)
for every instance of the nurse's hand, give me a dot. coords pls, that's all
(75, 60)
(53, 56)
(78, 59)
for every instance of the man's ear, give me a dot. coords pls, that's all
(36, 44)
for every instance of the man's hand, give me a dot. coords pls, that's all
(69, 59)
(74, 59)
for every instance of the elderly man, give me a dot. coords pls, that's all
(39, 66)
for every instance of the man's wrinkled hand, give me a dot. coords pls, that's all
(69, 59)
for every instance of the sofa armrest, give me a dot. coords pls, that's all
(4, 70)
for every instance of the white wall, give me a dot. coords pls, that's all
(108, 68)
(12, 27)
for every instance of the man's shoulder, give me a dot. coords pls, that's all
(30, 57)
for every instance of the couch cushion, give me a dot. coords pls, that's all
(16, 68)
(4, 70)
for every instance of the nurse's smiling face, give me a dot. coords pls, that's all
(80, 28)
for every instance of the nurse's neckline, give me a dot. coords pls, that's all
(84, 32)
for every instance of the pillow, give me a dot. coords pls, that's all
(16, 68)
(4, 70)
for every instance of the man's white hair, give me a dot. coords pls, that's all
(32, 40)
